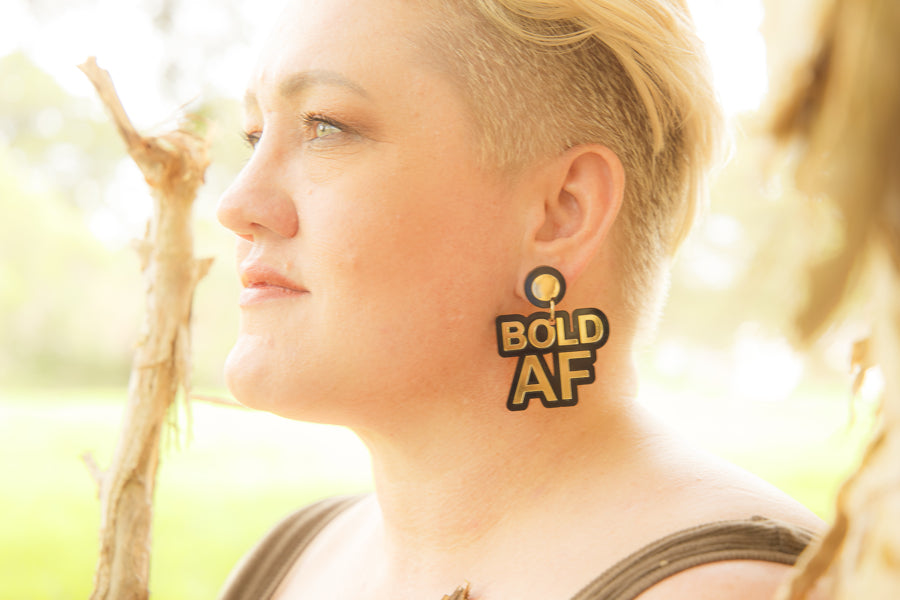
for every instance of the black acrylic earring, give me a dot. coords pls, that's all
(571, 342)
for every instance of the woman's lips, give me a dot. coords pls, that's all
(262, 293)
(262, 283)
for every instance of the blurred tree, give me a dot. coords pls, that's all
(842, 112)
(54, 136)
(70, 292)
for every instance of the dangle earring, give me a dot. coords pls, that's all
(571, 341)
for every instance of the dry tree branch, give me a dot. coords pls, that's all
(173, 165)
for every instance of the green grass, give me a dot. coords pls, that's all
(215, 496)
(219, 493)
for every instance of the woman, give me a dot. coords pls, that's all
(454, 226)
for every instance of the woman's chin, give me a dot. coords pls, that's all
(261, 382)
(249, 380)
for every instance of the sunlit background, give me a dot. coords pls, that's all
(721, 369)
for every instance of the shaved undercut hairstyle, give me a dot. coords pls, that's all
(542, 76)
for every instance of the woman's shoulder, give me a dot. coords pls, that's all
(739, 565)
(700, 487)
(683, 486)
(735, 580)
(746, 556)
(689, 525)
(721, 490)
(741, 534)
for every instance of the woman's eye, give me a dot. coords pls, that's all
(324, 129)
(252, 138)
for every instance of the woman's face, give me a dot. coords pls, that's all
(373, 250)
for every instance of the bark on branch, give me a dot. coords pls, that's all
(173, 165)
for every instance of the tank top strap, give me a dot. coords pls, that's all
(757, 538)
(260, 571)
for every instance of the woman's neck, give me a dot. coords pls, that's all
(454, 485)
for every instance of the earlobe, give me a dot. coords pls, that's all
(580, 207)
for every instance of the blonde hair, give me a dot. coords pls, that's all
(546, 75)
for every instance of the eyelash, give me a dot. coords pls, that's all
(251, 138)
(310, 121)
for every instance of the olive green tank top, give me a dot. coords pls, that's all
(258, 575)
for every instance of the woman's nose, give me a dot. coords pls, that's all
(256, 203)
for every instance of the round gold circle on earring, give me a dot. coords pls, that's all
(545, 286)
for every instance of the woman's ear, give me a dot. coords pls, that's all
(586, 190)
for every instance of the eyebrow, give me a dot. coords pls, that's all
(300, 82)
